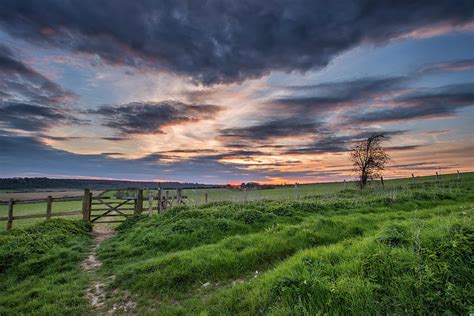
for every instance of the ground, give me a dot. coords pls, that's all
(403, 249)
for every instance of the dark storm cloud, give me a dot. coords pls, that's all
(328, 142)
(20, 82)
(151, 117)
(29, 101)
(30, 117)
(428, 103)
(453, 66)
(405, 147)
(332, 95)
(293, 126)
(15, 160)
(222, 41)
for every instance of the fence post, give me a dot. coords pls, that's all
(459, 175)
(297, 191)
(160, 201)
(437, 177)
(49, 205)
(10, 214)
(381, 180)
(167, 200)
(86, 205)
(205, 197)
(150, 202)
(178, 196)
(138, 202)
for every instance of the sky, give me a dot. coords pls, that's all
(233, 91)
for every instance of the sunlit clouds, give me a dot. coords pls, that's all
(275, 92)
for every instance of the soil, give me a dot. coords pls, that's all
(96, 292)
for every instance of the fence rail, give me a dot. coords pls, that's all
(99, 207)
(123, 203)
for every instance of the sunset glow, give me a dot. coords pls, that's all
(180, 92)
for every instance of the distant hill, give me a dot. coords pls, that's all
(24, 184)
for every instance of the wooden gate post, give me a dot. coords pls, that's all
(381, 180)
(205, 197)
(49, 205)
(150, 203)
(86, 205)
(178, 196)
(10, 214)
(160, 201)
(138, 202)
(167, 200)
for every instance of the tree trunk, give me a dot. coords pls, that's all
(363, 180)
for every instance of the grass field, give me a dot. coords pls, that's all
(197, 196)
(402, 249)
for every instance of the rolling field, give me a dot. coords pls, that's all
(402, 249)
(197, 196)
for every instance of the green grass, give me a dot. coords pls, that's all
(39, 269)
(196, 196)
(402, 249)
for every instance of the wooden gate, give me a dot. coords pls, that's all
(111, 209)
(125, 203)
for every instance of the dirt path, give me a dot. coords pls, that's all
(96, 293)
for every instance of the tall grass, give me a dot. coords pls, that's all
(400, 250)
(403, 249)
(39, 269)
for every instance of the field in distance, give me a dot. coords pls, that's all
(197, 196)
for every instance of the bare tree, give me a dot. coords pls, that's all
(369, 158)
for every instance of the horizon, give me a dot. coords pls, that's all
(269, 92)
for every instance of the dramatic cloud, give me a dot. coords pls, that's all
(332, 95)
(293, 126)
(151, 117)
(329, 142)
(30, 117)
(223, 41)
(453, 66)
(428, 103)
(21, 83)
(17, 152)
(28, 100)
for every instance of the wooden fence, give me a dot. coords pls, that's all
(99, 207)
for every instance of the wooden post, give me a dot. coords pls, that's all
(413, 176)
(178, 196)
(381, 180)
(10, 214)
(86, 205)
(437, 176)
(138, 202)
(150, 202)
(205, 197)
(167, 200)
(160, 201)
(459, 175)
(49, 205)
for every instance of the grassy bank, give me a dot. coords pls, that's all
(39, 269)
(402, 249)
